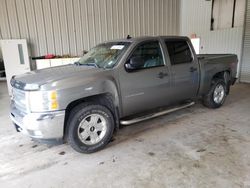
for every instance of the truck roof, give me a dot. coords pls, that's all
(143, 38)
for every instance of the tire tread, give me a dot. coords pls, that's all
(76, 113)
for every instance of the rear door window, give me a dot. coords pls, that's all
(179, 52)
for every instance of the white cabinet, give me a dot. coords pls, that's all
(46, 63)
(42, 63)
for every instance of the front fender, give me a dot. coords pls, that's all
(74, 89)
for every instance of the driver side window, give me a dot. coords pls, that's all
(150, 53)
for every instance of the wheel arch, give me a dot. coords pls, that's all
(225, 75)
(104, 99)
(221, 75)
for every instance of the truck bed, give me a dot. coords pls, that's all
(213, 63)
(214, 56)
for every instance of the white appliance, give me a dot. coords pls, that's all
(196, 44)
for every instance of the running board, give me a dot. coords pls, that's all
(153, 115)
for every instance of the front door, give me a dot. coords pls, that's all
(184, 69)
(148, 86)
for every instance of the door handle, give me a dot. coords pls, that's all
(162, 75)
(192, 69)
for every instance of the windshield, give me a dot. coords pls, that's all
(104, 55)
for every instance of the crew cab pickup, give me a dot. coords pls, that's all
(118, 82)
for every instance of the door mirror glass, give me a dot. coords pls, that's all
(134, 63)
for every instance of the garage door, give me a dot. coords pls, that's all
(245, 67)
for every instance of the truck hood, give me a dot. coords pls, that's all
(37, 78)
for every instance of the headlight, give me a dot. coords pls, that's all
(43, 101)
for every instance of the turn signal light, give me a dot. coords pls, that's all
(54, 105)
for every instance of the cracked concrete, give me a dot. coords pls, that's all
(194, 147)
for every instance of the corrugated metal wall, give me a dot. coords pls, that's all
(69, 26)
(195, 18)
(245, 67)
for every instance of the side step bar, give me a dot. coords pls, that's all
(153, 115)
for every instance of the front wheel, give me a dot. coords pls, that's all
(216, 95)
(90, 127)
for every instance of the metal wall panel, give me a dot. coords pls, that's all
(56, 22)
(245, 67)
(13, 19)
(195, 19)
(40, 24)
(71, 26)
(33, 38)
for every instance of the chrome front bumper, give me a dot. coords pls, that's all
(47, 125)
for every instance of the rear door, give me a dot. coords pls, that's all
(184, 69)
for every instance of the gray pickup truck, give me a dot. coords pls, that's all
(118, 82)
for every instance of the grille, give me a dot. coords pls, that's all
(19, 98)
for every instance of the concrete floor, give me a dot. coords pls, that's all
(195, 147)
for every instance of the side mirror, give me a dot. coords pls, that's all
(134, 63)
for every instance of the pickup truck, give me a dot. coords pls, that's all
(117, 82)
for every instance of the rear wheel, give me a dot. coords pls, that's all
(90, 128)
(216, 95)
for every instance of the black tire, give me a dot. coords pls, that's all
(76, 116)
(208, 100)
(228, 88)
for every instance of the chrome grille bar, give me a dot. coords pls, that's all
(19, 97)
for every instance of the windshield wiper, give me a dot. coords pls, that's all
(86, 64)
